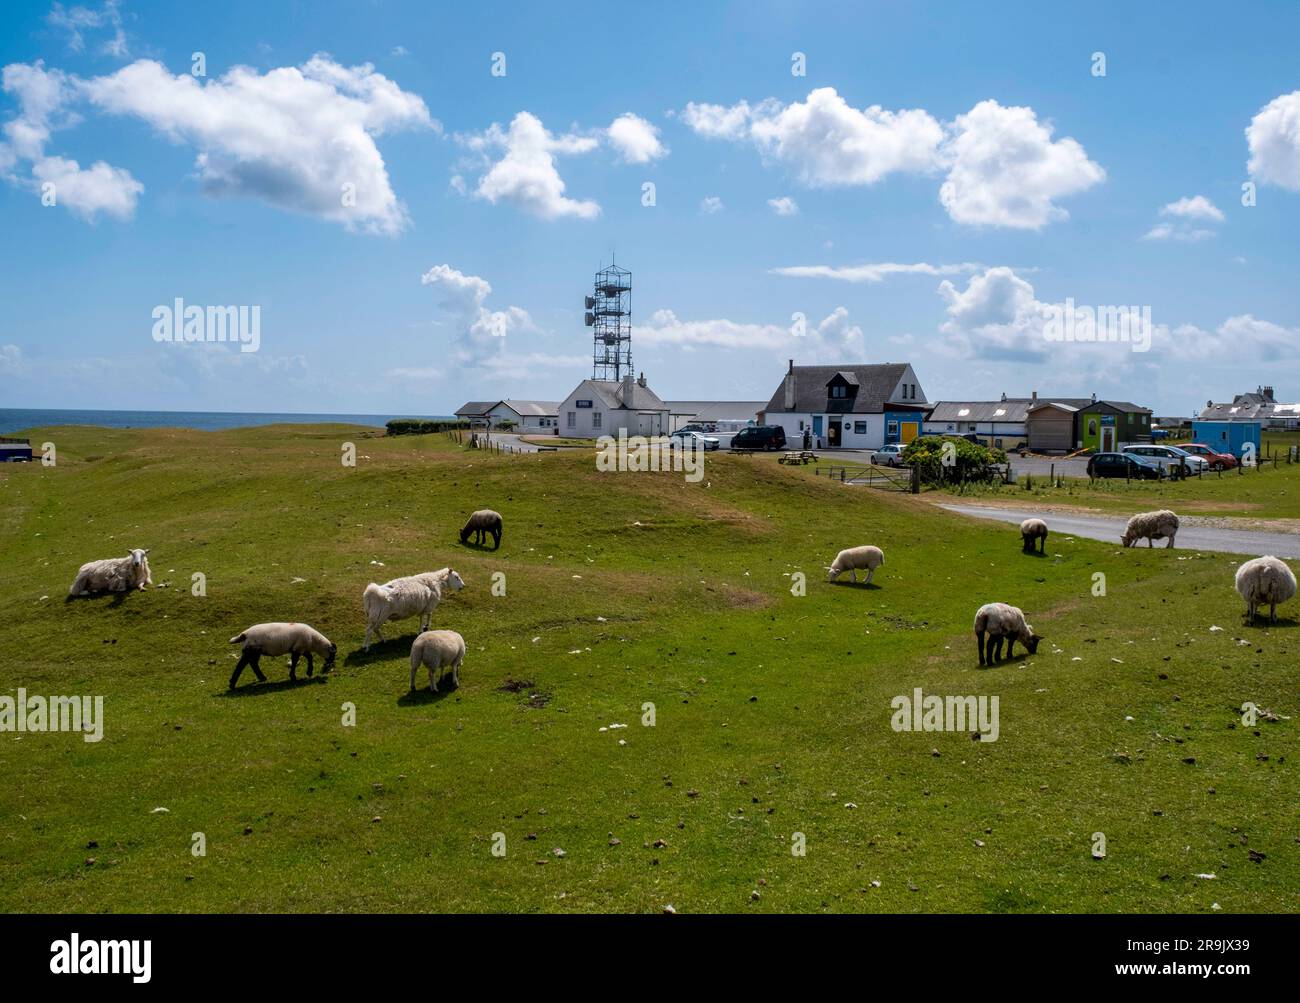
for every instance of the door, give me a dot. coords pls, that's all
(909, 430)
(817, 424)
(834, 436)
(1107, 438)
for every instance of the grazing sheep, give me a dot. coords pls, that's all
(854, 559)
(403, 597)
(480, 523)
(1151, 526)
(1002, 622)
(1031, 530)
(293, 639)
(438, 649)
(113, 574)
(1264, 580)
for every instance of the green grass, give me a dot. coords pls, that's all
(772, 711)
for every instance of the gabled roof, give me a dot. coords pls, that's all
(476, 409)
(535, 409)
(1010, 411)
(718, 410)
(610, 393)
(875, 383)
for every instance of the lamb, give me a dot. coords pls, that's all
(293, 639)
(1264, 580)
(1002, 622)
(854, 559)
(113, 574)
(482, 522)
(403, 597)
(1031, 530)
(1151, 526)
(438, 649)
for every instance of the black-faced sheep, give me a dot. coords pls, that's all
(482, 522)
(438, 649)
(855, 559)
(113, 574)
(1033, 530)
(274, 639)
(1151, 526)
(1264, 580)
(403, 597)
(1002, 622)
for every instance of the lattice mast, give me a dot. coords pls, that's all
(609, 314)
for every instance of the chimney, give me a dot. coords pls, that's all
(641, 381)
(1004, 396)
(1033, 397)
(628, 383)
(789, 388)
(1268, 394)
(1094, 397)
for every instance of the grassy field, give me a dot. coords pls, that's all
(772, 710)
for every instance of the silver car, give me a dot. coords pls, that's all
(888, 455)
(1170, 458)
(686, 439)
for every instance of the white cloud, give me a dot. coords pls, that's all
(1274, 140)
(784, 206)
(1193, 207)
(78, 20)
(635, 139)
(11, 360)
(400, 50)
(299, 138)
(823, 140)
(876, 272)
(481, 333)
(1241, 337)
(711, 205)
(90, 191)
(1185, 211)
(834, 339)
(1006, 170)
(995, 317)
(526, 174)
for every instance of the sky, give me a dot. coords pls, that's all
(410, 201)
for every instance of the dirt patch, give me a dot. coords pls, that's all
(537, 698)
(516, 685)
(744, 598)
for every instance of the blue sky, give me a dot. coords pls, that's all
(937, 182)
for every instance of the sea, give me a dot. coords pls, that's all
(18, 419)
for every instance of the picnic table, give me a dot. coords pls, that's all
(797, 456)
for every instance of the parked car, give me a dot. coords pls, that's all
(1171, 458)
(759, 437)
(889, 455)
(685, 438)
(1124, 465)
(1217, 461)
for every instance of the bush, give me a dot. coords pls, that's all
(969, 461)
(422, 426)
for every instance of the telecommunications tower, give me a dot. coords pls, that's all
(609, 314)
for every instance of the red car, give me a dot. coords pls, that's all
(1217, 461)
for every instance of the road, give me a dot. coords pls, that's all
(513, 441)
(1108, 529)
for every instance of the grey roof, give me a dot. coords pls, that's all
(611, 393)
(536, 409)
(718, 410)
(476, 409)
(1087, 404)
(1010, 410)
(875, 383)
(1250, 407)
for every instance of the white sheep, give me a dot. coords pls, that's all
(1151, 526)
(293, 639)
(1264, 580)
(402, 597)
(855, 559)
(113, 574)
(438, 649)
(1002, 622)
(1031, 530)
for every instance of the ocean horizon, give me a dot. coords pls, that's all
(20, 419)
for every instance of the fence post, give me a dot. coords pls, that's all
(916, 481)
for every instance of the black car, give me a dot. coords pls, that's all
(1124, 465)
(759, 437)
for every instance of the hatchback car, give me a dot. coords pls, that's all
(1174, 460)
(1124, 465)
(759, 437)
(685, 438)
(1217, 461)
(888, 455)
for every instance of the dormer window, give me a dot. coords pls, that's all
(839, 390)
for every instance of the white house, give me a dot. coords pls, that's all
(602, 407)
(848, 406)
(529, 417)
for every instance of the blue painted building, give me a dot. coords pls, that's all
(1229, 436)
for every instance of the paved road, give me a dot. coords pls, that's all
(1108, 529)
(514, 442)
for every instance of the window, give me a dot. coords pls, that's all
(859, 428)
(838, 391)
(893, 429)
(573, 419)
(595, 419)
